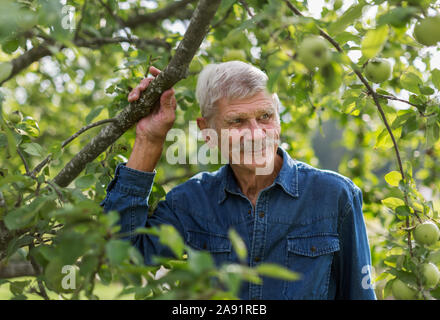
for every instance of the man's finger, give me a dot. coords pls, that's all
(134, 95)
(144, 83)
(154, 71)
(168, 99)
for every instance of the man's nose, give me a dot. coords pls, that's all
(255, 130)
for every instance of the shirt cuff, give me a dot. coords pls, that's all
(131, 181)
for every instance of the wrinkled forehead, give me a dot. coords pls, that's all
(260, 102)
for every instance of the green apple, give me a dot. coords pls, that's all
(234, 54)
(378, 70)
(426, 233)
(431, 275)
(15, 117)
(401, 291)
(195, 66)
(314, 52)
(337, 4)
(427, 32)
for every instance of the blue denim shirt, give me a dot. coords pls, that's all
(309, 220)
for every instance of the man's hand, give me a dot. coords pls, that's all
(152, 130)
(155, 126)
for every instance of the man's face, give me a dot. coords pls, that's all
(252, 128)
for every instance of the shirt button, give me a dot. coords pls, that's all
(250, 211)
(257, 259)
(204, 245)
(313, 248)
(261, 214)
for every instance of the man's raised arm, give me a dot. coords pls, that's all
(129, 191)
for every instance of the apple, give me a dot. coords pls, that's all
(426, 233)
(401, 291)
(337, 4)
(195, 66)
(431, 275)
(234, 54)
(15, 117)
(314, 52)
(427, 32)
(378, 70)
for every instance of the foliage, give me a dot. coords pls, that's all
(76, 84)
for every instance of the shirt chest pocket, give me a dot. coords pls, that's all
(312, 257)
(218, 245)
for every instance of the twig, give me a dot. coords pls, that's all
(96, 42)
(228, 12)
(78, 27)
(83, 129)
(367, 85)
(55, 188)
(37, 270)
(26, 166)
(41, 165)
(245, 5)
(175, 71)
(377, 103)
(114, 15)
(405, 101)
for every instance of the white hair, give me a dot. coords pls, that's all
(230, 80)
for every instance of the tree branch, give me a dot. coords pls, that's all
(83, 129)
(27, 58)
(176, 9)
(367, 85)
(17, 269)
(174, 72)
(36, 53)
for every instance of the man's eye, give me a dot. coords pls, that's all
(238, 120)
(265, 116)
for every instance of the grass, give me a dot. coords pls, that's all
(102, 291)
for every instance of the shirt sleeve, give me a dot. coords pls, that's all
(355, 269)
(128, 194)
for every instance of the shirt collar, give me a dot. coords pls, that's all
(287, 178)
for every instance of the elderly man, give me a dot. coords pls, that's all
(306, 219)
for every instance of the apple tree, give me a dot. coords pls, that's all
(372, 67)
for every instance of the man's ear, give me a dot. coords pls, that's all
(208, 134)
(202, 123)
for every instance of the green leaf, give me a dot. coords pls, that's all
(21, 217)
(411, 82)
(348, 18)
(374, 41)
(117, 251)
(393, 178)
(170, 237)
(32, 148)
(436, 78)
(397, 17)
(393, 202)
(93, 114)
(432, 132)
(17, 287)
(276, 271)
(425, 90)
(85, 182)
(199, 261)
(403, 210)
(238, 244)
(10, 46)
(5, 70)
